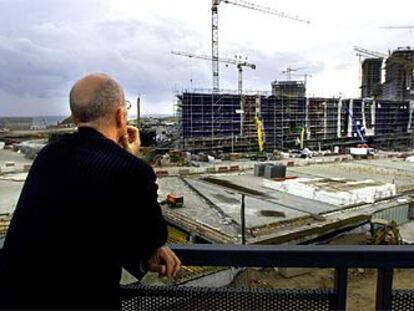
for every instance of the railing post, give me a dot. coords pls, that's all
(384, 288)
(243, 219)
(340, 287)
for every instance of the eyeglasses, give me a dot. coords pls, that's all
(128, 104)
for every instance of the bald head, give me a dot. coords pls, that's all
(94, 97)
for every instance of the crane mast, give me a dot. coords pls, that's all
(215, 45)
(215, 30)
(237, 62)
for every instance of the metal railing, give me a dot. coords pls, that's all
(340, 257)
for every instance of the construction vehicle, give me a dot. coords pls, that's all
(238, 62)
(175, 200)
(385, 232)
(215, 30)
(361, 150)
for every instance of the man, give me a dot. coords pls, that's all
(88, 207)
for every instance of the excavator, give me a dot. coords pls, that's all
(386, 233)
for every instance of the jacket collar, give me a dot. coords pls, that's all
(85, 131)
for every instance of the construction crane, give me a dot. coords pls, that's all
(237, 61)
(363, 51)
(409, 27)
(408, 65)
(288, 71)
(215, 30)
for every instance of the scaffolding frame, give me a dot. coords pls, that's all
(211, 121)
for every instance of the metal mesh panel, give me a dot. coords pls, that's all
(403, 300)
(138, 297)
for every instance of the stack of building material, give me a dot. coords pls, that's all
(340, 192)
(270, 170)
(275, 171)
(259, 169)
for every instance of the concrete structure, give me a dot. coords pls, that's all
(371, 77)
(289, 88)
(399, 77)
(228, 122)
(274, 171)
(212, 210)
(335, 191)
(16, 123)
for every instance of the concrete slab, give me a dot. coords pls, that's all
(18, 158)
(14, 177)
(9, 195)
(230, 202)
(407, 232)
(196, 209)
(383, 170)
(338, 191)
(284, 199)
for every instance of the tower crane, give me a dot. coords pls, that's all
(370, 53)
(238, 62)
(215, 32)
(288, 71)
(409, 27)
(407, 64)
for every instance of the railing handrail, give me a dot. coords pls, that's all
(340, 257)
(384, 258)
(311, 256)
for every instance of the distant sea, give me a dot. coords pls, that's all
(40, 121)
(43, 121)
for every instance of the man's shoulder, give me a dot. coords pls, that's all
(137, 165)
(99, 154)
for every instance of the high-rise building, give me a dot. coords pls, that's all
(371, 77)
(289, 88)
(399, 75)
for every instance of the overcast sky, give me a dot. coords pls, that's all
(46, 45)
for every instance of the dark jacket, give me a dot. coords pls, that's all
(88, 207)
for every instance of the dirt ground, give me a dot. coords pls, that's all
(361, 282)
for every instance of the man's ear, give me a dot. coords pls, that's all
(74, 119)
(119, 117)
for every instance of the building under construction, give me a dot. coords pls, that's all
(228, 122)
(382, 117)
(399, 78)
(371, 77)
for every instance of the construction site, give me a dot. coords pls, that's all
(274, 166)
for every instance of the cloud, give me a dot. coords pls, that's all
(136, 53)
(45, 46)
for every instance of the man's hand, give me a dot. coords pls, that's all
(131, 141)
(165, 262)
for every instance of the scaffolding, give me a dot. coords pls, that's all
(391, 117)
(211, 121)
(283, 118)
(371, 77)
(218, 121)
(323, 116)
(399, 78)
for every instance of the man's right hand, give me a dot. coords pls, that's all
(165, 262)
(131, 141)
